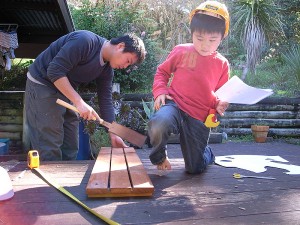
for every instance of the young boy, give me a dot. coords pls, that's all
(76, 58)
(183, 106)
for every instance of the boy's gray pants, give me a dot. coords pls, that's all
(53, 129)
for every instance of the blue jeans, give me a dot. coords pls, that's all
(193, 137)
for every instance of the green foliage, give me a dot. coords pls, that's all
(249, 138)
(236, 54)
(149, 110)
(256, 22)
(15, 79)
(290, 18)
(124, 113)
(128, 116)
(139, 78)
(292, 59)
(272, 74)
(108, 21)
(99, 138)
(104, 20)
(240, 138)
(113, 18)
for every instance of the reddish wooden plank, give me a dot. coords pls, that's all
(124, 179)
(141, 182)
(119, 178)
(99, 179)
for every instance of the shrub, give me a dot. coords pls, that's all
(292, 59)
(15, 78)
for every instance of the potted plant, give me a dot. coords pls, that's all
(260, 132)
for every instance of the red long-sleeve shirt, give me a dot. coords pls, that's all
(195, 79)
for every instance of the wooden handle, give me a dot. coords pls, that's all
(69, 106)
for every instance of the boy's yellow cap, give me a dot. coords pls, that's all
(213, 8)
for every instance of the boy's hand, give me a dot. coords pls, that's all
(165, 165)
(161, 100)
(221, 107)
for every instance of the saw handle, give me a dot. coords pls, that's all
(69, 106)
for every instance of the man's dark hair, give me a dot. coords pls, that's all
(133, 44)
(208, 24)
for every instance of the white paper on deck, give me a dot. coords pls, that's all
(257, 163)
(236, 91)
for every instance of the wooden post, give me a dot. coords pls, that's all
(116, 87)
(25, 136)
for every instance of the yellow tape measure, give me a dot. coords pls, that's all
(33, 159)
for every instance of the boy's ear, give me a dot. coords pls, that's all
(121, 46)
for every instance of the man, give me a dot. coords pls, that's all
(76, 58)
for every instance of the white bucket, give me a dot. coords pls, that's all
(6, 189)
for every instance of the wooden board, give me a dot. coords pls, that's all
(119, 172)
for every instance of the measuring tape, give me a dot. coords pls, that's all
(33, 161)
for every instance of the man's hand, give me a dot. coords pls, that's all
(117, 142)
(161, 100)
(86, 111)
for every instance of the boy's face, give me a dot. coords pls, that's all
(206, 43)
(121, 60)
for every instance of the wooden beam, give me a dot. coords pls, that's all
(37, 6)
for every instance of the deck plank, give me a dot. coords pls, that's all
(99, 178)
(141, 182)
(119, 180)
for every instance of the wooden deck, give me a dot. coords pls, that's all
(213, 198)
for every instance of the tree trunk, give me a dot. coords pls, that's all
(245, 72)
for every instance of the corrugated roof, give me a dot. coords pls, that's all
(38, 23)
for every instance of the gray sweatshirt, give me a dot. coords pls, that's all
(78, 57)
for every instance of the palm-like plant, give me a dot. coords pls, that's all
(256, 22)
(292, 59)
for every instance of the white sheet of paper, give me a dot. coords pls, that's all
(236, 91)
(257, 163)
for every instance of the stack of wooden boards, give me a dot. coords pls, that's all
(119, 172)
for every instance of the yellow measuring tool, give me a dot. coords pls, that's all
(33, 162)
(33, 159)
(240, 176)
